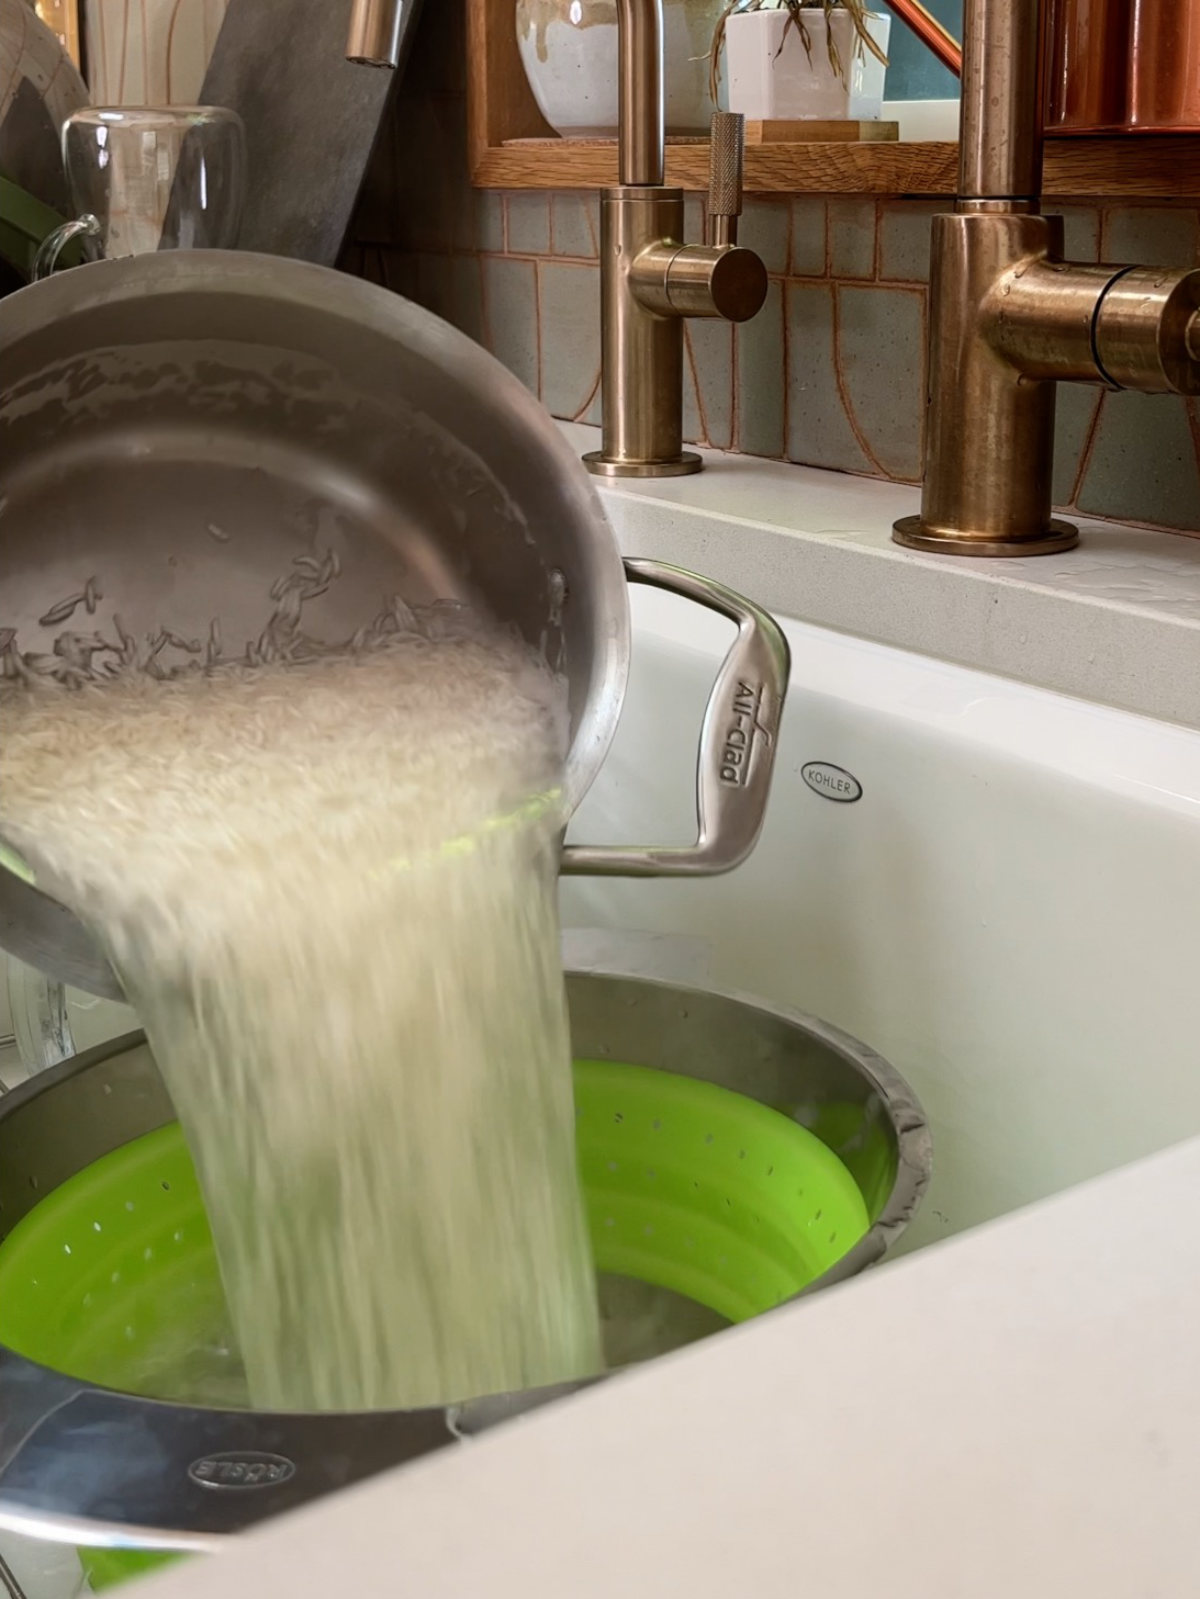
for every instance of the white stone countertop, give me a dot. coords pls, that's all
(1013, 1412)
(1116, 620)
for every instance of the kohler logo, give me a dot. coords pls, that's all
(832, 782)
(242, 1468)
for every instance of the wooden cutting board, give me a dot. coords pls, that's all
(311, 118)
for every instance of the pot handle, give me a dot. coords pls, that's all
(737, 742)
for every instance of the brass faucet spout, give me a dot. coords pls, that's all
(1000, 145)
(643, 112)
(374, 37)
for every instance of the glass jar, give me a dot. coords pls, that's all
(51, 1023)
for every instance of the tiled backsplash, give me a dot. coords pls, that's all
(831, 372)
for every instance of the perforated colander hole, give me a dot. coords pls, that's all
(741, 1154)
(108, 1088)
(129, 1205)
(618, 1115)
(614, 1165)
(833, 1238)
(167, 1187)
(770, 1171)
(147, 1253)
(178, 1235)
(129, 1333)
(115, 1278)
(648, 1230)
(96, 1227)
(657, 1124)
(66, 1249)
(708, 1138)
(651, 1173)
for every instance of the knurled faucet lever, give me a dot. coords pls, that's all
(725, 177)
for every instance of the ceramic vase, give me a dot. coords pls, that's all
(569, 51)
(773, 77)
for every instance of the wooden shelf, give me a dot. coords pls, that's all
(1149, 168)
(513, 148)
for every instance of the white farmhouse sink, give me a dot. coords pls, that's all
(1010, 913)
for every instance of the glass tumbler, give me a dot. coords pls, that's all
(145, 179)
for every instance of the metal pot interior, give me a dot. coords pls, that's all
(178, 431)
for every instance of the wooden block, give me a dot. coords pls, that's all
(795, 132)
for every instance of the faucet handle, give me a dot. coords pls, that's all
(726, 160)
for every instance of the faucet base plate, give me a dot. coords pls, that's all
(915, 534)
(683, 465)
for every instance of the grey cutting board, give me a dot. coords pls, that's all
(311, 119)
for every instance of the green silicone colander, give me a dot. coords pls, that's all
(689, 1187)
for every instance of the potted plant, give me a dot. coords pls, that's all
(802, 60)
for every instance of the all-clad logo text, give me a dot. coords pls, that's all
(242, 1468)
(831, 782)
(740, 734)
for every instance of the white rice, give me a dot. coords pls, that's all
(350, 977)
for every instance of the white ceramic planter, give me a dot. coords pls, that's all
(569, 51)
(772, 77)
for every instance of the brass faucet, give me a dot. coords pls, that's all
(374, 37)
(650, 279)
(1009, 319)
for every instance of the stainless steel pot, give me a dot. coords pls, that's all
(177, 430)
(85, 1465)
